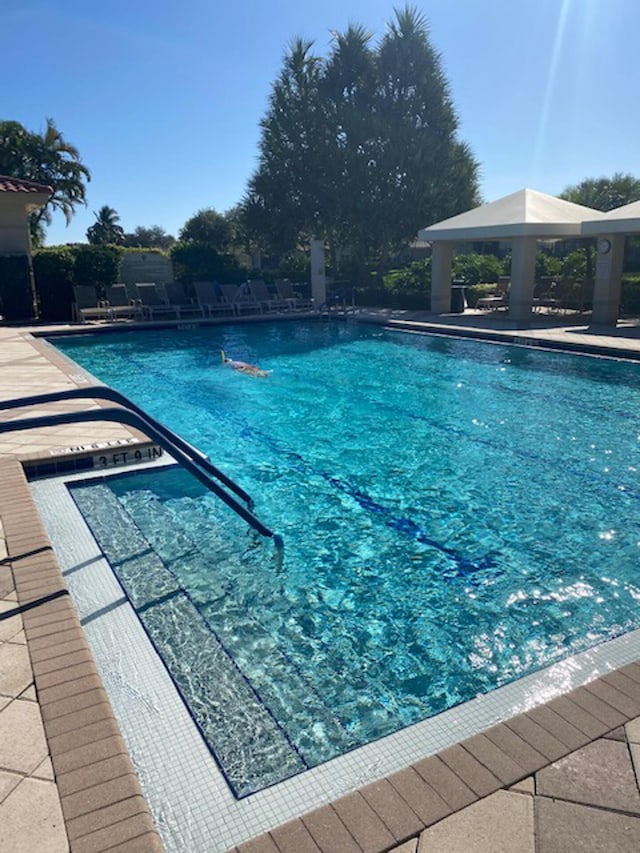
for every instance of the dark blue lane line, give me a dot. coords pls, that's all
(408, 527)
(464, 566)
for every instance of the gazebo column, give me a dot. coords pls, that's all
(441, 257)
(523, 268)
(606, 293)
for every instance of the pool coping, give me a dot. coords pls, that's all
(376, 818)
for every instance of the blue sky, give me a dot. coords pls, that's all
(163, 99)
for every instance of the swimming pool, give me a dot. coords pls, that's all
(455, 515)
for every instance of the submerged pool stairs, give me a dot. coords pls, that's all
(232, 674)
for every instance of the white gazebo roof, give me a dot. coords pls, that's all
(622, 220)
(525, 213)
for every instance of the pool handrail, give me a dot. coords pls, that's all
(131, 418)
(104, 392)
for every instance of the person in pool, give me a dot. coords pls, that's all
(243, 367)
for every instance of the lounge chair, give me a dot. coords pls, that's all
(86, 305)
(177, 298)
(153, 301)
(295, 301)
(121, 304)
(498, 298)
(240, 299)
(210, 300)
(260, 293)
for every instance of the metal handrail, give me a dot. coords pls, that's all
(131, 418)
(104, 392)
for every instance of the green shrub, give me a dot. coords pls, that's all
(630, 296)
(474, 268)
(547, 266)
(59, 268)
(199, 262)
(295, 266)
(408, 287)
(96, 265)
(574, 265)
(475, 291)
(16, 296)
(53, 271)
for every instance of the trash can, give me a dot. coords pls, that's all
(458, 299)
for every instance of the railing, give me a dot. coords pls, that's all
(128, 413)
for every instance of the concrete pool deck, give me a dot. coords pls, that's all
(563, 776)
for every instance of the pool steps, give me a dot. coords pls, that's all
(167, 612)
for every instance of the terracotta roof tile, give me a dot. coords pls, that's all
(18, 185)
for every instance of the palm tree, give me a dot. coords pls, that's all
(105, 229)
(46, 158)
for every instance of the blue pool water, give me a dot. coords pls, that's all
(455, 515)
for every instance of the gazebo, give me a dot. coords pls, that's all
(611, 229)
(523, 218)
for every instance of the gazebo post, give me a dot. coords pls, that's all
(606, 293)
(523, 268)
(441, 258)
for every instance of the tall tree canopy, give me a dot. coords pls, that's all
(105, 230)
(153, 237)
(46, 158)
(208, 228)
(359, 148)
(604, 193)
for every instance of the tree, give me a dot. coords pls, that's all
(359, 148)
(208, 228)
(46, 158)
(604, 193)
(153, 237)
(105, 231)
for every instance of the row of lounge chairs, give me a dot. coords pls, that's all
(151, 301)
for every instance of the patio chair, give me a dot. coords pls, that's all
(240, 299)
(498, 298)
(153, 301)
(210, 300)
(260, 293)
(121, 304)
(546, 295)
(295, 301)
(86, 305)
(178, 299)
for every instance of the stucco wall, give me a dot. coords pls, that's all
(14, 226)
(139, 267)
